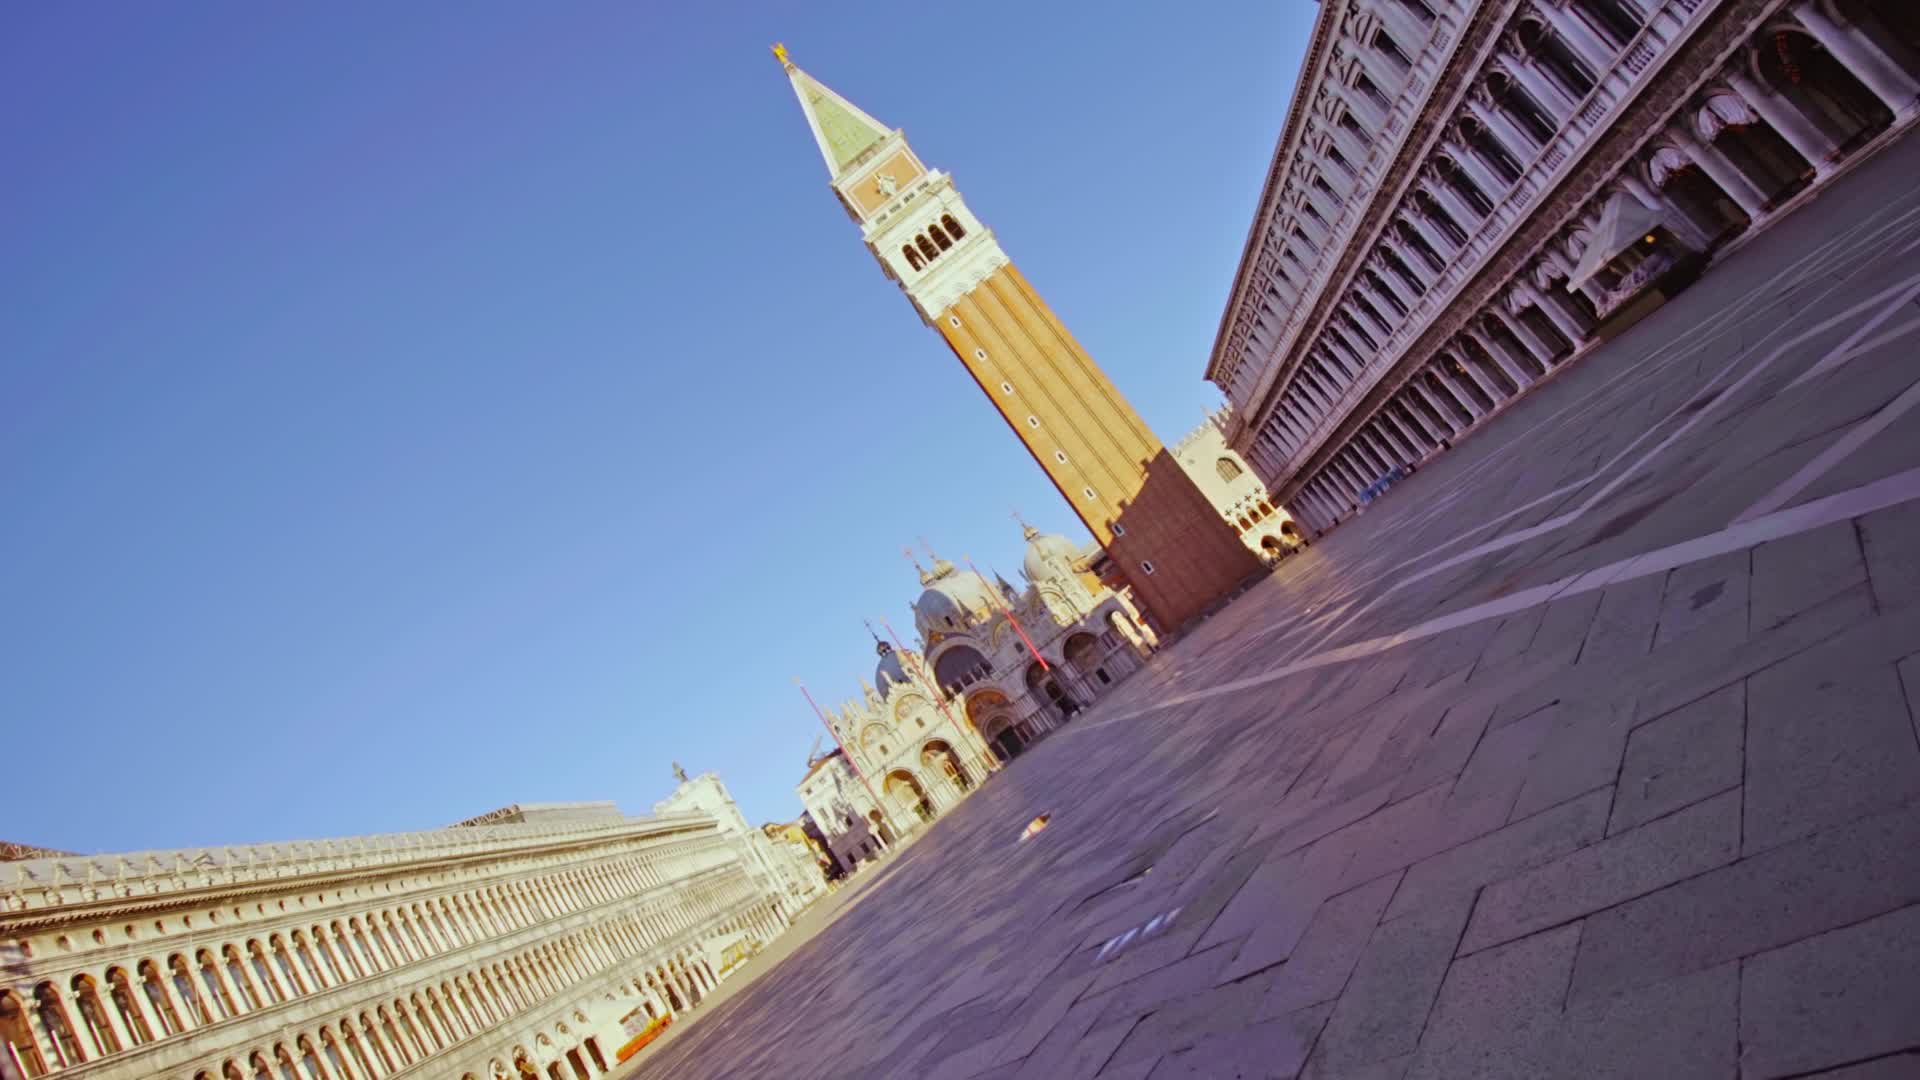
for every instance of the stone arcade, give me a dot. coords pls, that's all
(1443, 222)
(510, 945)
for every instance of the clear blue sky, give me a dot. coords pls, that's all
(407, 410)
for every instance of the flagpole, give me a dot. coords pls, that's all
(1007, 610)
(852, 764)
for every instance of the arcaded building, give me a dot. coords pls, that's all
(528, 942)
(1469, 194)
(1160, 533)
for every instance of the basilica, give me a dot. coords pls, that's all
(994, 668)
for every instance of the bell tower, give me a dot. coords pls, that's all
(1160, 532)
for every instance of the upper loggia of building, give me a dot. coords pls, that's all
(911, 217)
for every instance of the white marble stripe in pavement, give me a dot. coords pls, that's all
(1843, 506)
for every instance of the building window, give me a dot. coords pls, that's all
(1060, 456)
(979, 354)
(1033, 421)
(926, 248)
(1119, 529)
(953, 321)
(913, 257)
(1147, 565)
(953, 227)
(1087, 491)
(939, 236)
(1228, 468)
(1006, 388)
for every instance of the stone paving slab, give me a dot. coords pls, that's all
(1591, 750)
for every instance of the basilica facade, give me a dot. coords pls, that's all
(1467, 195)
(995, 668)
(533, 941)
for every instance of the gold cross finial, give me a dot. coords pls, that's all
(780, 54)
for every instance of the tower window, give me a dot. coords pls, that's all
(1119, 529)
(1006, 388)
(1033, 421)
(913, 257)
(1147, 565)
(1088, 492)
(939, 237)
(979, 354)
(1227, 468)
(953, 321)
(953, 227)
(926, 248)
(1060, 456)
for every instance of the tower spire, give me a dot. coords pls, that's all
(841, 130)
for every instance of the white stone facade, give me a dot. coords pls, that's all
(938, 720)
(511, 946)
(1444, 222)
(794, 884)
(1236, 491)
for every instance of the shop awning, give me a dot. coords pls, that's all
(1623, 223)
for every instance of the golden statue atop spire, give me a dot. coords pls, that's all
(780, 54)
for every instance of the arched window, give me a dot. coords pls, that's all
(242, 985)
(16, 1034)
(1227, 468)
(307, 964)
(263, 972)
(210, 979)
(157, 996)
(53, 1018)
(93, 1017)
(926, 248)
(953, 227)
(197, 1010)
(939, 236)
(120, 989)
(291, 980)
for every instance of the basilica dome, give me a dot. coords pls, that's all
(954, 600)
(1045, 551)
(888, 668)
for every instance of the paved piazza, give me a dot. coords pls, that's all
(1590, 750)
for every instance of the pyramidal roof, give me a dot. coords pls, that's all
(840, 129)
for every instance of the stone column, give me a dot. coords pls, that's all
(1441, 244)
(1483, 178)
(1562, 319)
(1786, 118)
(1539, 349)
(1516, 142)
(1544, 91)
(1394, 284)
(1466, 400)
(1451, 201)
(1521, 380)
(1443, 415)
(103, 993)
(1596, 54)
(1871, 64)
(1480, 378)
(1723, 172)
(1396, 437)
(1411, 431)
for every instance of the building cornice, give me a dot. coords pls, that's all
(49, 892)
(1312, 68)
